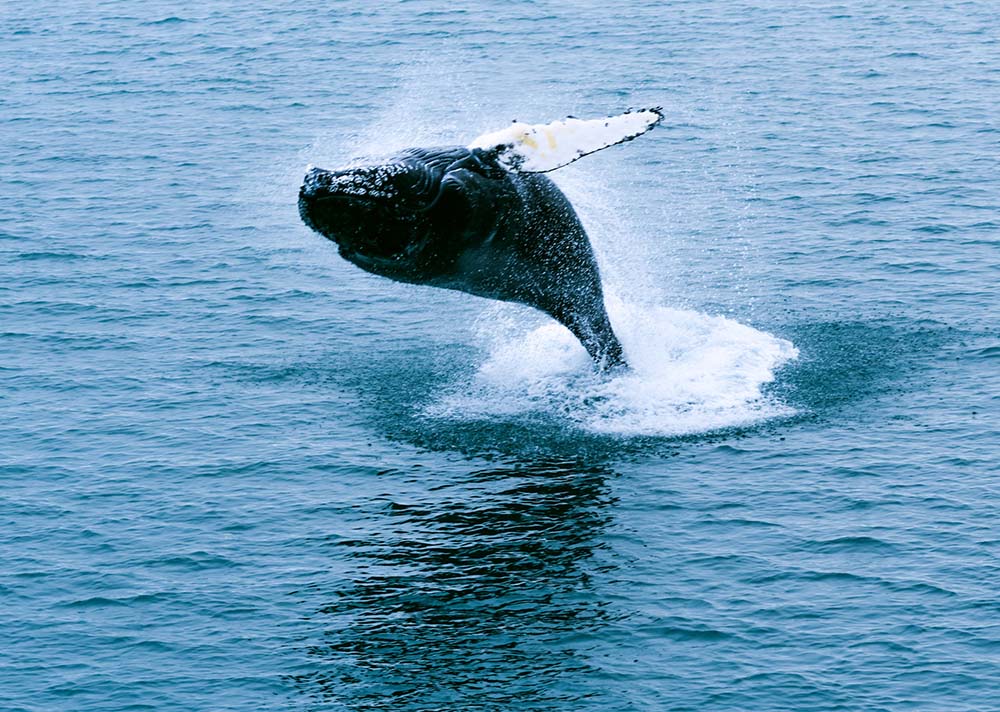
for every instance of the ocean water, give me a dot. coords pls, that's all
(237, 473)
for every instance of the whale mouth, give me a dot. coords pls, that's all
(372, 226)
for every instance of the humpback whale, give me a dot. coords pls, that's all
(482, 219)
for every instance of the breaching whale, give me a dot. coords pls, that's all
(480, 219)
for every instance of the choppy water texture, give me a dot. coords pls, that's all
(240, 474)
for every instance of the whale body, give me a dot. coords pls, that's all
(481, 219)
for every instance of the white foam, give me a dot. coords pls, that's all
(691, 373)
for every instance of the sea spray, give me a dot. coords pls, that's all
(690, 373)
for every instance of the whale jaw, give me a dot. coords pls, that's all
(373, 213)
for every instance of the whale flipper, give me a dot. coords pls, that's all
(540, 148)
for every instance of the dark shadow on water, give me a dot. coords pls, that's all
(479, 596)
(843, 368)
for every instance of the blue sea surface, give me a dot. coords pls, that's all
(238, 473)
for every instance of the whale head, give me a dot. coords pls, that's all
(404, 215)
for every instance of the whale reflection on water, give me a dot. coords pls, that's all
(478, 595)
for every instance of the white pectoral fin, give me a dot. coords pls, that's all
(538, 148)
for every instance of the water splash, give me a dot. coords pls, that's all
(691, 373)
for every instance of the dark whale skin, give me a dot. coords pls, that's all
(454, 218)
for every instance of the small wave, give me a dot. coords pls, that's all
(691, 373)
(850, 544)
(172, 20)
